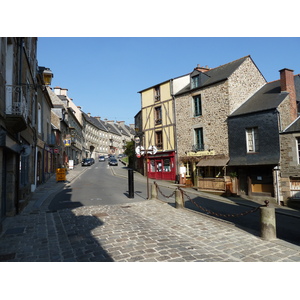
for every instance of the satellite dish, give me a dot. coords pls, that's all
(25, 151)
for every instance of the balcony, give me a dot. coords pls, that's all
(16, 116)
(16, 111)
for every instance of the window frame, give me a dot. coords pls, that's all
(158, 115)
(199, 139)
(159, 139)
(197, 106)
(195, 81)
(298, 148)
(252, 142)
(156, 93)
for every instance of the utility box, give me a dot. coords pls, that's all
(61, 174)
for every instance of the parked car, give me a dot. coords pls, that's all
(101, 158)
(113, 162)
(87, 162)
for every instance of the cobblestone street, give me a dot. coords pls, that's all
(146, 231)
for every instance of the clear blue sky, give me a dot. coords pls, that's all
(103, 75)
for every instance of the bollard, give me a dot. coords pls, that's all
(130, 184)
(267, 222)
(153, 192)
(179, 202)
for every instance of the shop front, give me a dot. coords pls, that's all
(161, 166)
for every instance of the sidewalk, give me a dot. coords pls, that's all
(149, 230)
(231, 199)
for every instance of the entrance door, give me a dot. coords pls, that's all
(158, 168)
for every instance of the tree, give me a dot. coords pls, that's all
(130, 152)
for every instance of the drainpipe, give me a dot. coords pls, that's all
(17, 171)
(175, 129)
(277, 170)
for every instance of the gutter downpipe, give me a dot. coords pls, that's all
(175, 129)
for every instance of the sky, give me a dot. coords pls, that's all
(104, 53)
(104, 75)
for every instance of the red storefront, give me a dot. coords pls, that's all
(162, 166)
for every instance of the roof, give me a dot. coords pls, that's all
(94, 121)
(267, 98)
(215, 75)
(294, 127)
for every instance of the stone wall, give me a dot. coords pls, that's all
(218, 101)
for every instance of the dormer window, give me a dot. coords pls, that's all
(195, 81)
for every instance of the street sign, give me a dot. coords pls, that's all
(140, 150)
(152, 149)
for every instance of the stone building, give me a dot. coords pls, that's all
(288, 172)
(202, 108)
(256, 152)
(24, 104)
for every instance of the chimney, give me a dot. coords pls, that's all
(98, 118)
(89, 114)
(57, 90)
(287, 84)
(202, 69)
(64, 92)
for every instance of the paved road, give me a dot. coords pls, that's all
(149, 230)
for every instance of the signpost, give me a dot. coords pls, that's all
(140, 150)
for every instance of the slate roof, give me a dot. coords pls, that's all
(267, 98)
(215, 75)
(111, 128)
(294, 127)
(94, 122)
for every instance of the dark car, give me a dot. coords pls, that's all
(113, 162)
(87, 162)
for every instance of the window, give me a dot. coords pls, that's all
(157, 112)
(252, 139)
(197, 106)
(159, 139)
(195, 82)
(157, 93)
(199, 146)
(298, 148)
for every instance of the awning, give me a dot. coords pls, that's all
(213, 162)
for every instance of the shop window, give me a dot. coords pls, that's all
(167, 166)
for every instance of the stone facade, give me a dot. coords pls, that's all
(218, 101)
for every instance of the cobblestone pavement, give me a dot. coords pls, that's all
(150, 230)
